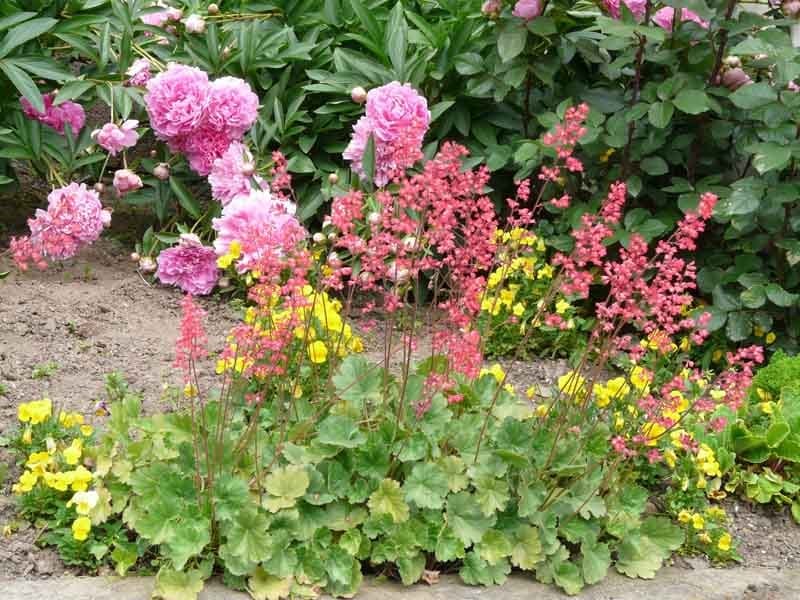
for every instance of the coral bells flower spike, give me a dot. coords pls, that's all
(56, 116)
(397, 118)
(116, 138)
(527, 9)
(192, 343)
(126, 181)
(74, 218)
(190, 266)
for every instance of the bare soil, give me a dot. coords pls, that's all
(64, 330)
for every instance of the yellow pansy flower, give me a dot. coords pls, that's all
(771, 337)
(86, 430)
(495, 371)
(38, 462)
(546, 272)
(518, 309)
(81, 528)
(684, 516)
(767, 407)
(724, 542)
(84, 502)
(35, 412)
(652, 432)
(562, 306)
(72, 453)
(317, 352)
(704, 537)
(572, 384)
(27, 480)
(79, 479)
(698, 522)
(27, 436)
(641, 378)
(670, 457)
(531, 392)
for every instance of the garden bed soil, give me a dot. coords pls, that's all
(62, 331)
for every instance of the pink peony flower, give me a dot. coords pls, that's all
(116, 138)
(195, 24)
(190, 266)
(663, 18)
(138, 72)
(735, 78)
(204, 146)
(175, 100)
(126, 181)
(527, 9)
(232, 173)
(637, 8)
(56, 116)
(159, 18)
(232, 106)
(394, 109)
(257, 222)
(491, 8)
(397, 118)
(74, 218)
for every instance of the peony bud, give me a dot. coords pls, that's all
(126, 181)
(224, 282)
(135, 256)
(732, 61)
(374, 218)
(491, 8)
(99, 187)
(161, 171)
(359, 95)
(333, 179)
(213, 9)
(332, 237)
(733, 79)
(147, 265)
(318, 237)
(195, 24)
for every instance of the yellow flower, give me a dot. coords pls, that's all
(79, 479)
(684, 516)
(27, 480)
(531, 392)
(701, 483)
(685, 344)
(613, 389)
(72, 453)
(317, 352)
(704, 537)
(57, 481)
(716, 356)
(724, 542)
(641, 378)
(509, 388)
(562, 306)
(357, 344)
(758, 331)
(81, 528)
(767, 407)
(770, 338)
(84, 502)
(717, 395)
(715, 512)
(572, 384)
(27, 436)
(606, 155)
(670, 457)
(495, 371)
(38, 462)
(234, 252)
(518, 309)
(652, 432)
(70, 419)
(698, 522)
(35, 412)
(541, 410)
(546, 272)
(86, 430)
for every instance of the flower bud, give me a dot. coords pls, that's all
(213, 9)
(332, 237)
(226, 52)
(195, 24)
(733, 79)
(410, 243)
(147, 264)
(153, 153)
(161, 171)
(791, 8)
(318, 237)
(359, 95)
(224, 282)
(135, 257)
(399, 275)
(333, 179)
(248, 168)
(99, 187)
(732, 61)
(334, 261)
(374, 218)
(126, 181)
(491, 8)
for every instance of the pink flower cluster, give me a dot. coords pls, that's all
(397, 118)
(138, 73)
(198, 117)
(56, 116)
(262, 224)
(161, 17)
(637, 8)
(190, 265)
(115, 138)
(232, 174)
(665, 16)
(74, 218)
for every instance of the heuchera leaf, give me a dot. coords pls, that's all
(388, 500)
